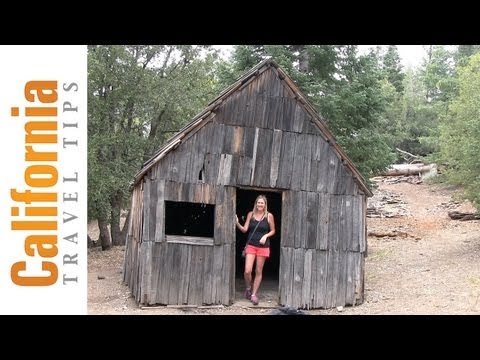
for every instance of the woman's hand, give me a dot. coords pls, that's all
(263, 240)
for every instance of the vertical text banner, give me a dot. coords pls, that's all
(43, 182)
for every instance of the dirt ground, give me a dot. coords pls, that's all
(430, 264)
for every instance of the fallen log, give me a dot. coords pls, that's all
(457, 215)
(409, 169)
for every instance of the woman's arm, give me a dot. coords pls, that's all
(271, 224)
(245, 226)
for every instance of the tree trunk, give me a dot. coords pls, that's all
(409, 169)
(105, 239)
(115, 220)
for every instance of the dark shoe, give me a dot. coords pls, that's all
(254, 299)
(248, 294)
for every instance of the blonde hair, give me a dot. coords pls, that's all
(264, 198)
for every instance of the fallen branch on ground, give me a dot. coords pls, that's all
(457, 215)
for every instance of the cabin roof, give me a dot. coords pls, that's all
(208, 113)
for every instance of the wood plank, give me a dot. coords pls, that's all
(322, 184)
(286, 160)
(298, 163)
(359, 279)
(347, 228)
(298, 276)
(307, 280)
(335, 202)
(175, 274)
(216, 142)
(208, 276)
(288, 255)
(189, 240)
(299, 117)
(195, 290)
(160, 212)
(224, 169)
(147, 272)
(332, 172)
(363, 226)
(297, 210)
(287, 226)
(342, 279)
(244, 170)
(332, 272)
(217, 274)
(229, 214)
(254, 156)
(342, 239)
(323, 221)
(226, 275)
(282, 275)
(307, 153)
(146, 210)
(275, 158)
(314, 280)
(219, 233)
(356, 224)
(311, 220)
(263, 159)
(350, 278)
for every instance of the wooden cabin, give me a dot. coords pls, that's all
(259, 136)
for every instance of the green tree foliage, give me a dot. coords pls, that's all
(439, 75)
(137, 97)
(393, 68)
(460, 132)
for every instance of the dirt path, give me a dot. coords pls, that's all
(431, 267)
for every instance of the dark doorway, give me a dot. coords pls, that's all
(245, 202)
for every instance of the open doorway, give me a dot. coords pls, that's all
(245, 201)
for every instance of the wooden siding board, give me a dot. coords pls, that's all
(244, 170)
(208, 276)
(282, 274)
(160, 212)
(350, 278)
(288, 211)
(323, 179)
(217, 274)
(311, 220)
(298, 276)
(341, 279)
(217, 140)
(162, 284)
(228, 140)
(323, 221)
(299, 117)
(195, 291)
(263, 159)
(146, 210)
(356, 224)
(174, 254)
(286, 160)
(306, 301)
(220, 210)
(275, 160)
(298, 163)
(287, 254)
(362, 230)
(226, 271)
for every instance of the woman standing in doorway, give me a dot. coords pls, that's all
(260, 225)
